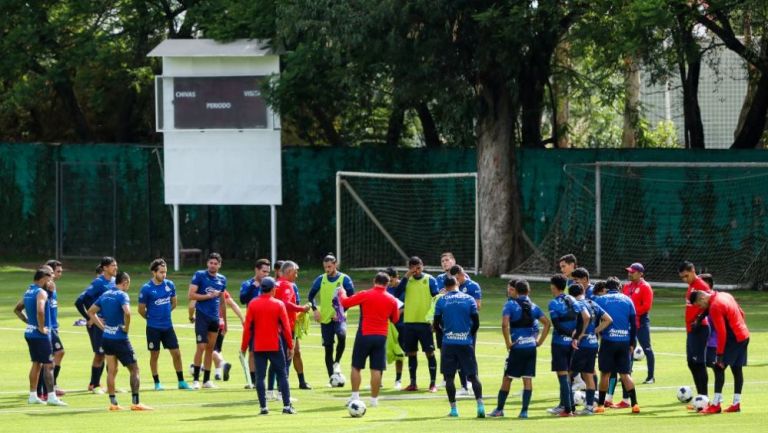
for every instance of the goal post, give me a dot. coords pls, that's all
(382, 219)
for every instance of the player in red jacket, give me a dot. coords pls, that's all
(642, 296)
(732, 340)
(697, 328)
(286, 292)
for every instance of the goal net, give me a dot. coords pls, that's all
(383, 219)
(615, 213)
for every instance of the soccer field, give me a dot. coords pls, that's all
(232, 408)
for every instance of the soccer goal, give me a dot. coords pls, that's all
(383, 219)
(614, 213)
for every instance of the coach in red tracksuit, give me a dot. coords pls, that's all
(377, 309)
(265, 321)
(732, 340)
(642, 297)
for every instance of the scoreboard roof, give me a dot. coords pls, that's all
(212, 48)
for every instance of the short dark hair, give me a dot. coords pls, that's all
(575, 290)
(612, 283)
(685, 266)
(106, 261)
(262, 262)
(559, 281)
(391, 272)
(40, 273)
(694, 296)
(522, 287)
(599, 287)
(450, 281)
(278, 265)
(447, 254)
(99, 269)
(580, 273)
(512, 282)
(121, 277)
(381, 278)
(456, 270)
(215, 256)
(568, 258)
(414, 261)
(156, 264)
(53, 264)
(329, 258)
(708, 279)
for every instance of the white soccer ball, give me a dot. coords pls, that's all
(579, 398)
(356, 408)
(684, 394)
(578, 384)
(638, 354)
(700, 402)
(337, 380)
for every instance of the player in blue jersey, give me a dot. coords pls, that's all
(471, 288)
(618, 342)
(207, 292)
(250, 289)
(328, 312)
(563, 313)
(103, 282)
(57, 269)
(567, 265)
(456, 316)
(111, 313)
(522, 337)
(583, 362)
(34, 312)
(447, 261)
(157, 299)
(581, 277)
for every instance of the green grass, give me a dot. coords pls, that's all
(232, 408)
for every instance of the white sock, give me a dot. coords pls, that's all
(736, 398)
(32, 394)
(717, 398)
(374, 400)
(218, 371)
(355, 395)
(609, 398)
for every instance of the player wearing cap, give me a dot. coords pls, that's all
(641, 294)
(727, 318)
(697, 328)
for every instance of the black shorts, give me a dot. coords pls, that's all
(166, 337)
(95, 334)
(40, 350)
(205, 325)
(521, 363)
(584, 360)
(615, 357)
(735, 354)
(370, 346)
(458, 357)
(121, 349)
(561, 357)
(56, 341)
(329, 330)
(696, 345)
(415, 334)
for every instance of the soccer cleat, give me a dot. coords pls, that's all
(600, 409)
(159, 387)
(195, 385)
(411, 387)
(649, 381)
(711, 409)
(480, 410)
(636, 408)
(496, 414)
(35, 400)
(96, 389)
(565, 414)
(184, 385)
(454, 412)
(115, 407)
(432, 388)
(621, 405)
(54, 401)
(264, 411)
(523, 414)
(59, 392)
(336, 367)
(557, 410)
(209, 385)
(140, 407)
(289, 410)
(587, 411)
(736, 407)
(227, 368)
(305, 385)
(249, 386)
(43, 397)
(398, 385)
(608, 404)
(216, 376)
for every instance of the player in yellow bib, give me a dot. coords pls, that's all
(329, 312)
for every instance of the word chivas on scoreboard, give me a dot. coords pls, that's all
(219, 103)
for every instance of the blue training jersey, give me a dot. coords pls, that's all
(249, 290)
(440, 280)
(456, 309)
(522, 330)
(622, 311)
(98, 286)
(472, 289)
(53, 304)
(30, 307)
(207, 283)
(157, 298)
(595, 315)
(111, 305)
(563, 310)
(589, 293)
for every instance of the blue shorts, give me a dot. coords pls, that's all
(166, 337)
(329, 330)
(735, 354)
(561, 357)
(458, 357)
(95, 334)
(370, 346)
(696, 345)
(584, 360)
(521, 363)
(415, 334)
(121, 349)
(56, 341)
(40, 350)
(205, 325)
(615, 357)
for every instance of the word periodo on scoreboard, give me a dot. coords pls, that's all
(219, 103)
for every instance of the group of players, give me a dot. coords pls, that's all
(602, 321)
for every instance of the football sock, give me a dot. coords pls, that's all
(56, 370)
(501, 400)
(738, 380)
(632, 396)
(413, 364)
(565, 392)
(719, 379)
(95, 376)
(477, 387)
(302, 381)
(113, 399)
(736, 398)
(156, 378)
(329, 359)
(601, 398)
(340, 345)
(206, 375)
(462, 379)
(135, 398)
(399, 376)
(717, 399)
(180, 376)
(432, 362)
(590, 397)
(196, 373)
(527, 393)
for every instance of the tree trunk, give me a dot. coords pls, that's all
(64, 89)
(327, 126)
(754, 123)
(752, 74)
(499, 197)
(631, 103)
(395, 126)
(531, 96)
(431, 136)
(561, 91)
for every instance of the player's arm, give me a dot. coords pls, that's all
(400, 289)
(247, 327)
(313, 291)
(126, 317)
(18, 310)
(433, 289)
(475, 323)
(94, 317)
(646, 300)
(42, 297)
(717, 317)
(191, 311)
(547, 324)
(349, 301)
(80, 306)
(285, 327)
(605, 321)
(579, 331)
(143, 310)
(632, 330)
(555, 319)
(236, 309)
(348, 285)
(223, 310)
(173, 302)
(505, 331)
(194, 296)
(394, 316)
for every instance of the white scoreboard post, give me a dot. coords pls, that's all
(221, 140)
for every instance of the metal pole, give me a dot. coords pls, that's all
(477, 228)
(338, 217)
(598, 221)
(175, 237)
(57, 204)
(273, 232)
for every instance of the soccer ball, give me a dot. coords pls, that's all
(579, 398)
(684, 394)
(700, 402)
(356, 408)
(337, 380)
(578, 384)
(638, 354)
